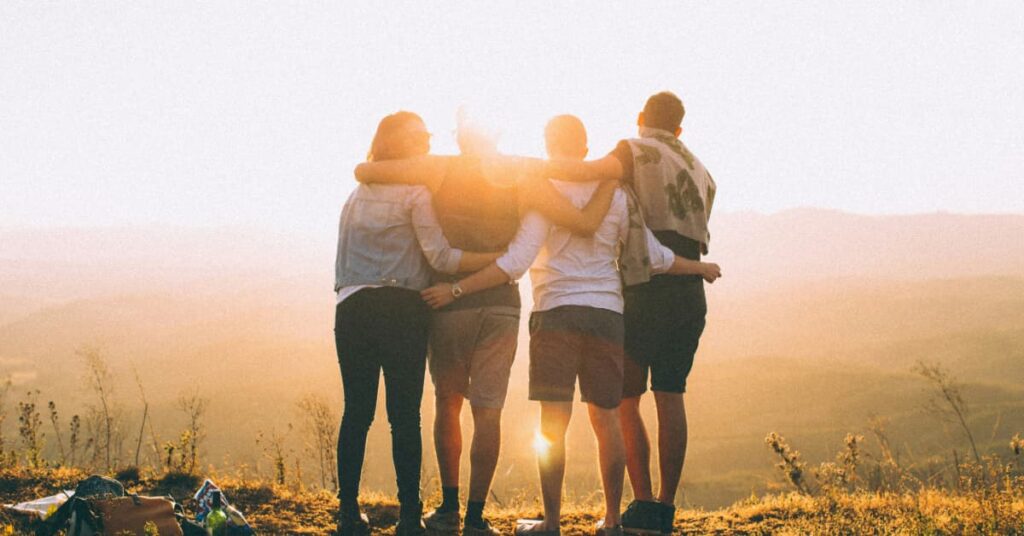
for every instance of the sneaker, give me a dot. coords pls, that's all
(443, 522)
(602, 530)
(643, 518)
(410, 521)
(353, 525)
(485, 530)
(410, 527)
(532, 527)
(668, 518)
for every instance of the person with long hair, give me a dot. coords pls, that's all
(389, 238)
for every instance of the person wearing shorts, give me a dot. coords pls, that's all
(665, 316)
(576, 329)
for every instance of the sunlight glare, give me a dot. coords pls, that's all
(541, 445)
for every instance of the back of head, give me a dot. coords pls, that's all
(566, 137)
(664, 111)
(399, 135)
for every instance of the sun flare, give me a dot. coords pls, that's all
(541, 445)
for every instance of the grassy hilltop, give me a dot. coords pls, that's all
(994, 508)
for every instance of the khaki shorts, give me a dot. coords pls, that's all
(471, 353)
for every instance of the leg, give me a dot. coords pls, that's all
(638, 449)
(612, 454)
(554, 421)
(672, 436)
(490, 367)
(484, 452)
(360, 375)
(448, 437)
(404, 394)
(642, 321)
(404, 361)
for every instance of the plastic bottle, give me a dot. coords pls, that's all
(216, 521)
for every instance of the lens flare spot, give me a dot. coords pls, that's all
(541, 445)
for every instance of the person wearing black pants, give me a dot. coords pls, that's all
(381, 329)
(389, 239)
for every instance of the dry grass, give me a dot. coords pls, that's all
(274, 509)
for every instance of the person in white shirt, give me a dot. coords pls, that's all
(576, 327)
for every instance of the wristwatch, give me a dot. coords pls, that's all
(456, 291)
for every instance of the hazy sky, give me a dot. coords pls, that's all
(254, 113)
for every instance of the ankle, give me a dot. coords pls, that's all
(475, 513)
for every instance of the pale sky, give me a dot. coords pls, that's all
(254, 113)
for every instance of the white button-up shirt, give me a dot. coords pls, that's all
(576, 270)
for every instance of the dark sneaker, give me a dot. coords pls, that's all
(477, 530)
(410, 520)
(352, 525)
(602, 530)
(533, 527)
(443, 522)
(668, 518)
(643, 518)
(410, 527)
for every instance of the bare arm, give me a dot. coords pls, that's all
(427, 170)
(708, 270)
(472, 261)
(541, 195)
(440, 295)
(511, 266)
(607, 168)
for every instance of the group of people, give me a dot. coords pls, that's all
(429, 251)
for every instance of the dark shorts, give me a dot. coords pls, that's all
(575, 341)
(664, 322)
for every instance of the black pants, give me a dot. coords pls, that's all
(381, 329)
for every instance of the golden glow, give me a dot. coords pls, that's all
(541, 445)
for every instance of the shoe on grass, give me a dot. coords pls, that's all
(534, 527)
(353, 525)
(470, 529)
(668, 518)
(439, 522)
(644, 518)
(410, 527)
(603, 530)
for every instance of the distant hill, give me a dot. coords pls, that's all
(808, 244)
(814, 328)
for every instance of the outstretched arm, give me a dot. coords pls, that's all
(663, 261)
(708, 270)
(607, 168)
(511, 266)
(540, 195)
(426, 170)
(472, 261)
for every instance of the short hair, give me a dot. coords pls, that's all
(383, 145)
(566, 135)
(664, 110)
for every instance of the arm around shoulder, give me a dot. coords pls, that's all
(427, 170)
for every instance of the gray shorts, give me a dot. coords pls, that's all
(471, 353)
(571, 341)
